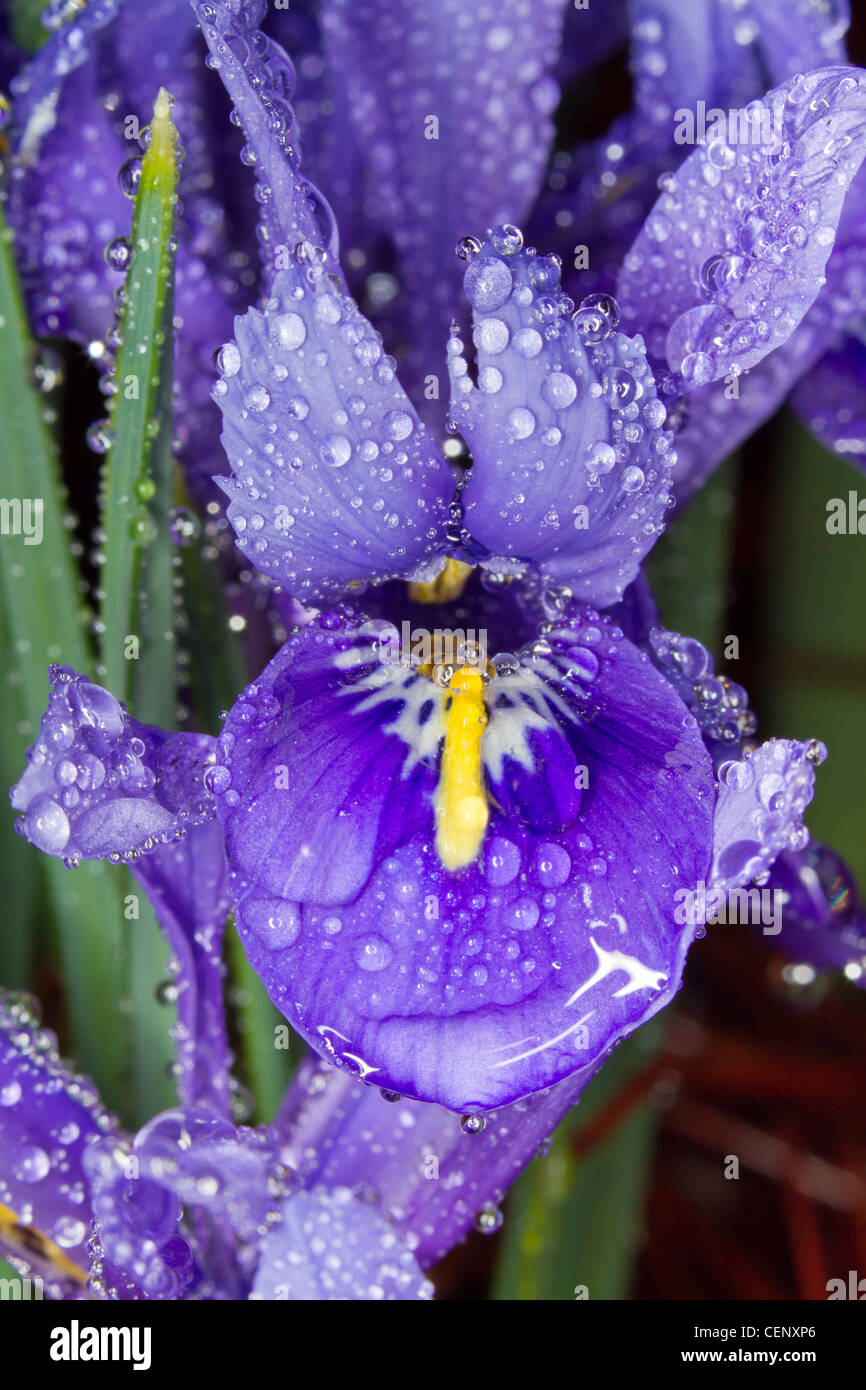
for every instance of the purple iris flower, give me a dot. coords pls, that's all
(455, 871)
(347, 1195)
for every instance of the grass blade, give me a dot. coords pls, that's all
(137, 470)
(45, 619)
(267, 1069)
(574, 1223)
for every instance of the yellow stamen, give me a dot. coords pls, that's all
(461, 801)
(448, 584)
(32, 1243)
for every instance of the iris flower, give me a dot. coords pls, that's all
(456, 872)
(454, 814)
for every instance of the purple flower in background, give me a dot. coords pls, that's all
(418, 126)
(347, 1195)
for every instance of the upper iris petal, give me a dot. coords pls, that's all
(336, 480)
(571, 462)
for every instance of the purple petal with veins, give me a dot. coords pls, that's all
(474, 987)
(186, 883)
(570, 461)
(452, 112)
(336, 480)
(331, 1245)
(432, 1174)
(735, 251)
(259, 78)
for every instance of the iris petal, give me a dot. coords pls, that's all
(759, 812)
(99, 785)
(734, 251)
(337, 1131)
(453, 118)
(187, 884)
(330, 1245)
(48, 1117)
(336, 480)
(571, 464)
(474, 988)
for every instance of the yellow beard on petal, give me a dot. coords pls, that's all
(461, 801)
(447, 585)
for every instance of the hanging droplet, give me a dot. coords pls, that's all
(183, 526)
(99, 437)
(489, 1220)
(129, 177)
(467, 247)
(118, 254)
(472, 1124)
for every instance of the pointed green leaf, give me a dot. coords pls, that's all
(136, 607)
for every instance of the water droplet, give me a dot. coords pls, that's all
(559, 390)
(118, 254)
(520, 422)
(398, 423)
(489, 1220)
(473, 1124)
(47, 825)
(217, 778)
(291, 330)
(31, 1164)
(258, 398)
(183, 526)
(487, 283)
(99, 437)
(336, 450)
(491, 335)
(228, 359)
(10, 1094)
(373, 953)
(129, 177)
(467, 247)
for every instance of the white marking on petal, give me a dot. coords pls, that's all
(43, 119)
(509, 727)
(384, 684)
(543, 1046)
(609, 962)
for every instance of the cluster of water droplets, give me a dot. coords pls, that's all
(770, 786)
(59, 1113)
(322, 435)
(720, 705)
(559, 391)
(88, 766)
(752, 212)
